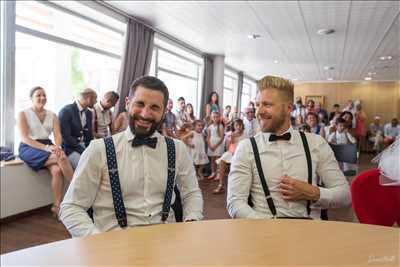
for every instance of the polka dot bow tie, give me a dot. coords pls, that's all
(150, 142)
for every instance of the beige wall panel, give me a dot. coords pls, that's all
(377, 98)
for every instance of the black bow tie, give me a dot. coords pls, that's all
(274, 137)
(150, 142)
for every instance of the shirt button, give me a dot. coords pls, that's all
(149, 215)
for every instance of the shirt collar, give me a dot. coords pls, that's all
(100, 107)
(79, 106)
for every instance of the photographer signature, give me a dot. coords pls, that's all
(373, 258)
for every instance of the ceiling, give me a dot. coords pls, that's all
(365, 31)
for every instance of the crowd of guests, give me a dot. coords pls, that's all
(347, 126)
(210, 141)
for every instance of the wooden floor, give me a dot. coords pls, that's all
(42, 228)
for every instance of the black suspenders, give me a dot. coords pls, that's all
(268, 197)
(119, 207)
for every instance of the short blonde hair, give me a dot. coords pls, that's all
(284, 86)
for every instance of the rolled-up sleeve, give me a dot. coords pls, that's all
(239, 183)
(336, 190)
(82, 193)
(192, 199)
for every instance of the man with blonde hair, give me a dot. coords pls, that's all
(276, 173)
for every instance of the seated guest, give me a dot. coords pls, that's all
(322, 113)
(391, 131)
(251, 126)
(139, 167)
(315, 126)
(76, 125)
(102, 115)
(35, 125)
(341, 135)
(375, 134)
(298, 109)
(284, 163)
(335, 112)
(310, 106)
(349, 117)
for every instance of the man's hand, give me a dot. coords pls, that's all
(294, 190)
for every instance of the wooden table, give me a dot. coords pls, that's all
(224, 242)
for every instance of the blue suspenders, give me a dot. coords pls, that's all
(119, 207)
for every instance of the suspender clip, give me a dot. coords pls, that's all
(268, 197)
(164, 216)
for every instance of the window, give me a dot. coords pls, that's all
(64, 47)
(180, 70)
(230, 87)
(248, 93)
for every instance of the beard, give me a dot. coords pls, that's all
(273, 123)
(143, 132)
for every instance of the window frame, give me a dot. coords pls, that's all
(8, 56)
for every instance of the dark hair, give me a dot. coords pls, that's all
(111, 95)
(197, 122)
(336, 105)
(181, 98)
(228, 106)
(312, 114)
(238, 121)
(340, 120)
(210, 97)
(310, 100)
(151, 83)
(191, 115)
(346, 112)
(34, 89)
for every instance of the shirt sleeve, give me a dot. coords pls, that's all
(336, 191)
(240, 180)
(82, 192)
(192, 199)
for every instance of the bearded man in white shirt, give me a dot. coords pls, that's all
(143, 167)
(284, 163)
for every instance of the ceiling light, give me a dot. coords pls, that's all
(367, 78)
(329, 68)
(253, 36)
(386, 58)
(276, 61)
(325, 31)
(330, 79)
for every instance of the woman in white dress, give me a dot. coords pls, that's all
(35, 125)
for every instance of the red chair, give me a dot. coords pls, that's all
(374, 203)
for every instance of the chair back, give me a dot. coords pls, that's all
(374, 203)
(345, 153)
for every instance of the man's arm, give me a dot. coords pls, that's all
(336, 191)
(82, 192)
(65, 124)
(240, 180)
(192, 199)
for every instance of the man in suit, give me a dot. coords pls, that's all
(76, 125)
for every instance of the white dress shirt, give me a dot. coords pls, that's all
(277, 159)
(143, 177)
(390, 131)
(251, 128)
(82, 115)
(341, 138)
(103, 118)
